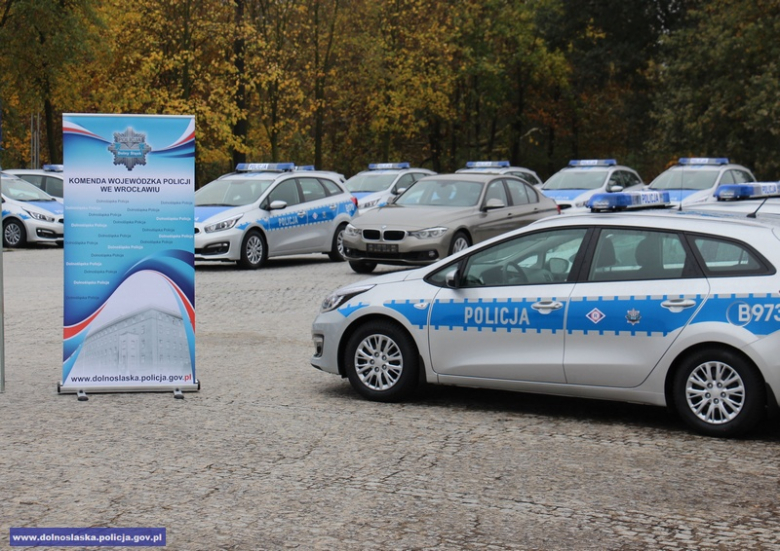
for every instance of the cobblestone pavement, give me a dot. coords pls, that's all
(273, 454)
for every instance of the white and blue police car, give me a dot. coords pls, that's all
(30, 215)
(375, 186)
(661, 307)
(265, 210)
(696, 179)
(573, 186)
(502, 167)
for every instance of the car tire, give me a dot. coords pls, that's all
(362, 266)
(254, 251)
(14, 234)
(459, 242)
(336, 253)
(739, 400)
(382, 362)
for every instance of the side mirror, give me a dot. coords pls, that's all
(453, 279)
(494, 203)
(399, 190)
(278, 205)
(614, 188)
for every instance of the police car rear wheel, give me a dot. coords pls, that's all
(459, 242)
(718, 393)
(381, 362)
(253, 251)
(362, 266)
(14, 234)
(336, 253)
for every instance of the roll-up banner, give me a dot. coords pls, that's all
(129, 274)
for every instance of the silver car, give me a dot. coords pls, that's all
(440, 215)
(664, 308)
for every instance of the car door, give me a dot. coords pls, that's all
(321, 210)
(505, 315)
(642, 287)
(526, 207)
(490, 221)
(286, 227)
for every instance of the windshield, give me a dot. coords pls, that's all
(686, 178)
(442, 193)
(370, 183)
(231, 193)
(22, 190)
(577, 179)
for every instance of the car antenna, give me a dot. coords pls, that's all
(755, 212)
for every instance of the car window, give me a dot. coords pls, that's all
(332, 188)
(725, 257)
(632, 179)
(404, 182)
(742, 177)
(495, 190)
(54, 186)
(229, 192)
(34, 179)
(520, 193)
(312, 189)
(626, 254)
(287, 191)
(446, 193)
(727, 178)
(541, 257)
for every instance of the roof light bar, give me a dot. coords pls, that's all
(387, 166)
(54, 168)
(633, 200)
(304, 167)
(741, 192)
(592, 162)
(689, 161)
(264, 167)
(487, 164)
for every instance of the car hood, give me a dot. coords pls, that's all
(51, 207)
(570, 194)
(411, 218)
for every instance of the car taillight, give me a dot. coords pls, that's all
(354, 201)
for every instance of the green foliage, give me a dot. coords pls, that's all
(342, 83)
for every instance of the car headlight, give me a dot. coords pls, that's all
(223, 225)
(429, 233)
(39, 216)
(352, 231)
(337, 298)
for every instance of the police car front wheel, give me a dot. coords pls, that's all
(381, 362)
(719, 393)
(253, 251)
(14, 234)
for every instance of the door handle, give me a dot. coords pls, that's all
(678, 304)
(547, 306)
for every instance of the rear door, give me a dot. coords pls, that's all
(643, 287)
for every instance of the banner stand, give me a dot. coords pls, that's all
(178, 391)
(129, 254)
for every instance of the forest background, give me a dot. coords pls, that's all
(342, 83)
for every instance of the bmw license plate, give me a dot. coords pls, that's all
(381, 248)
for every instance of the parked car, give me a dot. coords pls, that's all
(30, 215)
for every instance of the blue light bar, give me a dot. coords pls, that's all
(487, 164)
(304, 167)
(54, 168)
(741, 192)
(688, 161)
(387, 166)
(264, 167)
(634, 200)
(593, 162)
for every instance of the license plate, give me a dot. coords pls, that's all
(381, 248)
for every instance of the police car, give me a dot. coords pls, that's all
(382, 181)
(502, 167)
(658, 307)
(49, 178)
(264, 210)
(30, 215)
(696, 179)
(573, 186)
